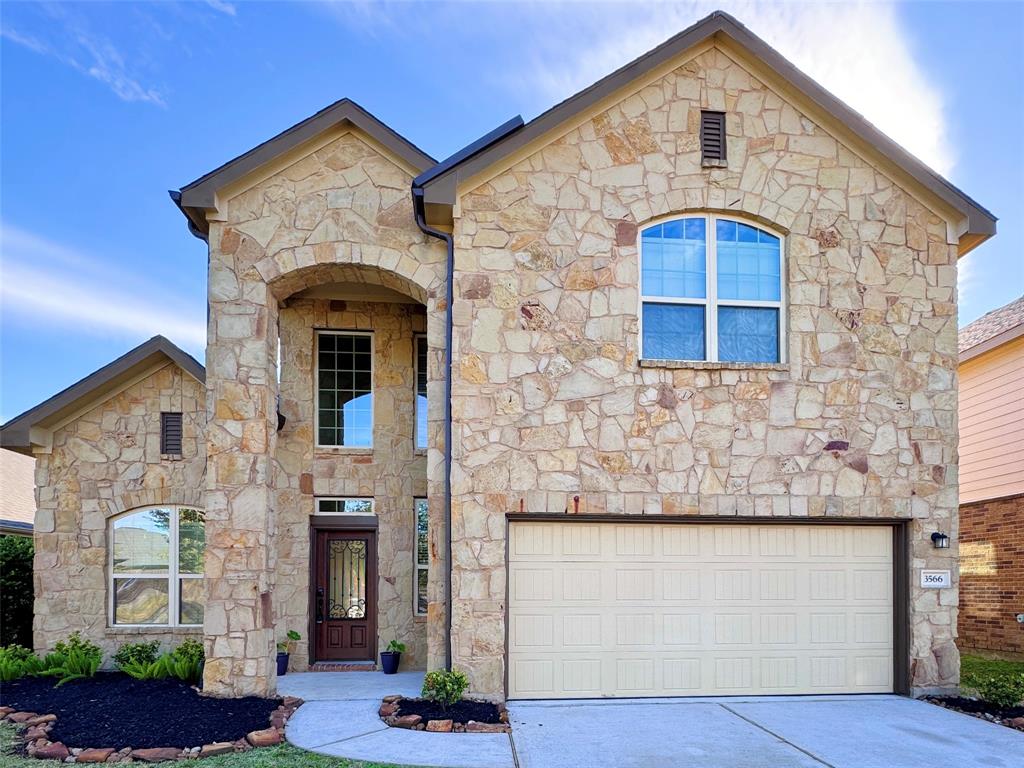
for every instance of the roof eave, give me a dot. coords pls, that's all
(993, 342)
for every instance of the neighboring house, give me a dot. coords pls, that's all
(992, 480)
(17, 494)
(652, 395)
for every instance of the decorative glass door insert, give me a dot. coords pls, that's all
(347, 574)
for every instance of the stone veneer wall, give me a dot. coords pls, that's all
(105, 462)
(992, 574)
(393, 472)
(551, 401)
(341, 213)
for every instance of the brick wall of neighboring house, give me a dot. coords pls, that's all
(992, 574)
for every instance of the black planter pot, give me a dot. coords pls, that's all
(282, 663)
(389, 662)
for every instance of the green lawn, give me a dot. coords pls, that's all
(283, 756)
(973, 668)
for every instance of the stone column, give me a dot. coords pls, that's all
(241, 381)
(437, 621)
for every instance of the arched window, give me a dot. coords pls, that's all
(156, 567)
(711, 290)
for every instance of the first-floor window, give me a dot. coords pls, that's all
(156, 567)
(344, 506)
(711, 289)
(422, 551)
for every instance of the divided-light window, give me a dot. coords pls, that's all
(156, 567)
(344, 394)
(711, 290)
(421, 391)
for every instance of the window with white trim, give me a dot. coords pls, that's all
(421, 555)
(711, 290)
(344, 506)
(156, 567)
(344, 389)
(420, 343)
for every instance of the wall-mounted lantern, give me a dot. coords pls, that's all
(940, 540)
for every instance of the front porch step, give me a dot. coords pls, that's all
(343, 666)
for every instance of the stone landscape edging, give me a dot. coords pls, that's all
(389, 708)
(35, 730)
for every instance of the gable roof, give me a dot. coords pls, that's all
(440, 185)
(200, 195)
(35, 425)
(992, 330)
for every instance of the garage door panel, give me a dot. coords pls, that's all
(710, 609)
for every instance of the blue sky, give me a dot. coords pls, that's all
(107, 106)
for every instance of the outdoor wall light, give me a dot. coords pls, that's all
(940, 540)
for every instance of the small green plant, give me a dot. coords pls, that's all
(396, 647)
(1004, 691)
(159, 668)
(72, 659)
(445, 687)
(187, 661)
(288, 644)
(137, 653)
(17, 661)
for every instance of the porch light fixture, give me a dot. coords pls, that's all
(940, 540)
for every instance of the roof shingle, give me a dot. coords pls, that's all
(992, 324)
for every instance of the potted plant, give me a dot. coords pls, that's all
(284, 649)
(390, 659)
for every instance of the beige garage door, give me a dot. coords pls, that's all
(639, 609)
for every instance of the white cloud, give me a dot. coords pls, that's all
(222, 7)
(76, 46)
(858, 51)
(48, 283)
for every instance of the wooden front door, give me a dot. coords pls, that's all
(346, 596)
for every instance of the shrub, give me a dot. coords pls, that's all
(187, 661)
(1003, 691)
(445, 687)
(72, 659)
(16, 590)
(137, 653)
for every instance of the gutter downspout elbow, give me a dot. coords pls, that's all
(421, 222)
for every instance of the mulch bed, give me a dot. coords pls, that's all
(460, 712)
(466, 716)
(112, 710)
(1012, 717)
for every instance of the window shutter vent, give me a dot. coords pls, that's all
(712, 135)
(170, 433)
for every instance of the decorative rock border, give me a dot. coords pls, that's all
(389, 708)
(35, 732)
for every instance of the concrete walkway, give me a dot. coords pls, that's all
(340, 719)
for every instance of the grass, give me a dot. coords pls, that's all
(973, 668)
(282, 756)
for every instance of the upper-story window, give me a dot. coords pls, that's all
(711, 290)
(156, 567)
(344, 392)
(421, 391)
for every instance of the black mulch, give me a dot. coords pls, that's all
(460, 712)
(977, 707)
(115, 710)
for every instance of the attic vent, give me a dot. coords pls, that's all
(170, 433)
(712, 137)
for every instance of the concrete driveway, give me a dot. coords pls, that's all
(780, 732)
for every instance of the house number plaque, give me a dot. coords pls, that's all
(935, 579)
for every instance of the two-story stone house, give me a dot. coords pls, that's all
(654, 394)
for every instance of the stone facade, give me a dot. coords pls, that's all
(393, 472)
(992, 574)
(550, 400)
(104, 462)
(339, 215)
